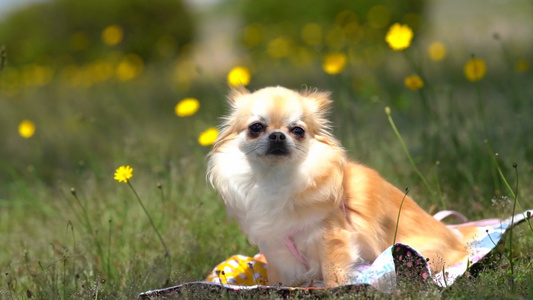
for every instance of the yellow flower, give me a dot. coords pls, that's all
(187, 107)
(112, 35)
(414, 82)
(26, 129)
(129, 67)
(399, 36)
(208, 137)
(239, 76)
(475, 69)
(123, 173)
(334, 63)
(437, 51)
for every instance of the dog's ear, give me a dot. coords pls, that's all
(319, 101)
(319, 104)
(236, 93)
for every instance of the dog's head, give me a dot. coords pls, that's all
(275, 124)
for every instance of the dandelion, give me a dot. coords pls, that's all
(112, 35)
(239, 76)
(414, 82)
(208, 137)
(123, 173)
(26, 129)
(437, 51)
(399, 37)
(475, 69)
(334, 63)
(187, 107)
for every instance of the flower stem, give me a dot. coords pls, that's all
(398, 219)
(515, 166)
(167, 254)
(426, 184)
(506, 184)
(425, 101)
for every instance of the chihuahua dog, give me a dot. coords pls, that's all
(314, 214)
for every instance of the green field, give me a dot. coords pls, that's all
(68, 230)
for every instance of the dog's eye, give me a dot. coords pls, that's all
(256, 128)
(298, 131)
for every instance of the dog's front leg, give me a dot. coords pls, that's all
(337, 257)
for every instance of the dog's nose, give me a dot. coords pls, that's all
(277, 136)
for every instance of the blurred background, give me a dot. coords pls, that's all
(87, 86)
(82, 68)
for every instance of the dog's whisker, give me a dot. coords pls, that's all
(245, 154)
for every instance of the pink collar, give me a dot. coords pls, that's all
(289, 242)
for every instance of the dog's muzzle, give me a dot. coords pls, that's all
(277, 144)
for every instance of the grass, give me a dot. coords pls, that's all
(69, 231)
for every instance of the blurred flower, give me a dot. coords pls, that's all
(187, 107)
(26, 129)
(351, 32)
(475, 69)
(335, 38)
(239, 76)
(414, 82)
(279, 47)
(79, 41)
(378, 16)
(10, 82)
(208, 137)
(521, 66)
(399, 36)
(412, 20)
(37, 75)
(346, 16)
(123, 173)
(129, 67)
(301, 57)
(253, 35)
(437, 51)
(112, 35)
(99, 71)
(166, 46)
(312, 34)
(72, 75)
(334, 63)
(184, 73)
